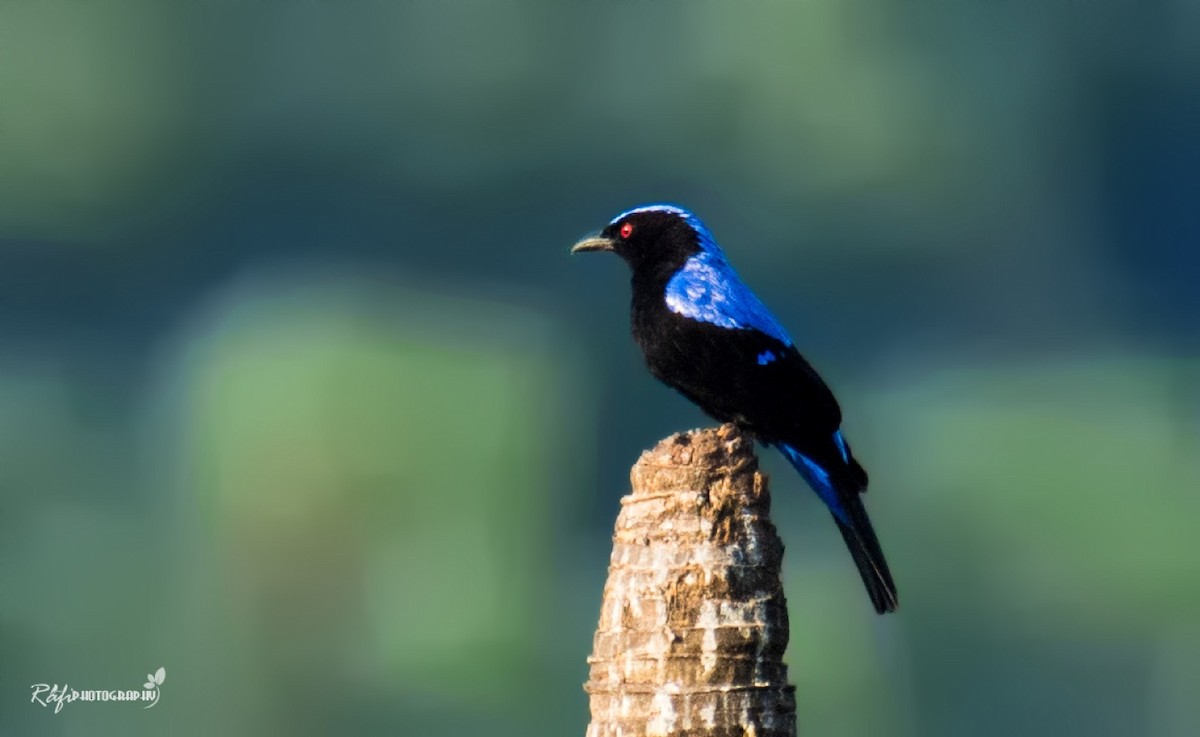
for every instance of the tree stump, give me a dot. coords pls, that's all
(693, 624)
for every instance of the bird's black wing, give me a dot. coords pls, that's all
(741, 375)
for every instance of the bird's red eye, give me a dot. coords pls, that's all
(626, 230)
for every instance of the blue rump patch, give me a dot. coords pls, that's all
(817, 478)
(841, 444)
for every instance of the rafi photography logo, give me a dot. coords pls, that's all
(45, 694)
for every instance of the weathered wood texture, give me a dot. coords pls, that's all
(693, 624)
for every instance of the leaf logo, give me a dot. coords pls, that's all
(153, 681)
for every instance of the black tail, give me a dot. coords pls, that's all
(868, 556)
(841, 493)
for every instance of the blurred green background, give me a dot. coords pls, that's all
(302, 398)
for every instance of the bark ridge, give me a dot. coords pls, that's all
(693, 623)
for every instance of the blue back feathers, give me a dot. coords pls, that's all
(707, 289)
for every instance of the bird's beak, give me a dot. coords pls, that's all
(594, 243)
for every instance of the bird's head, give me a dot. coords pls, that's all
(652, 236)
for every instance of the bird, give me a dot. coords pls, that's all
(704, 333)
